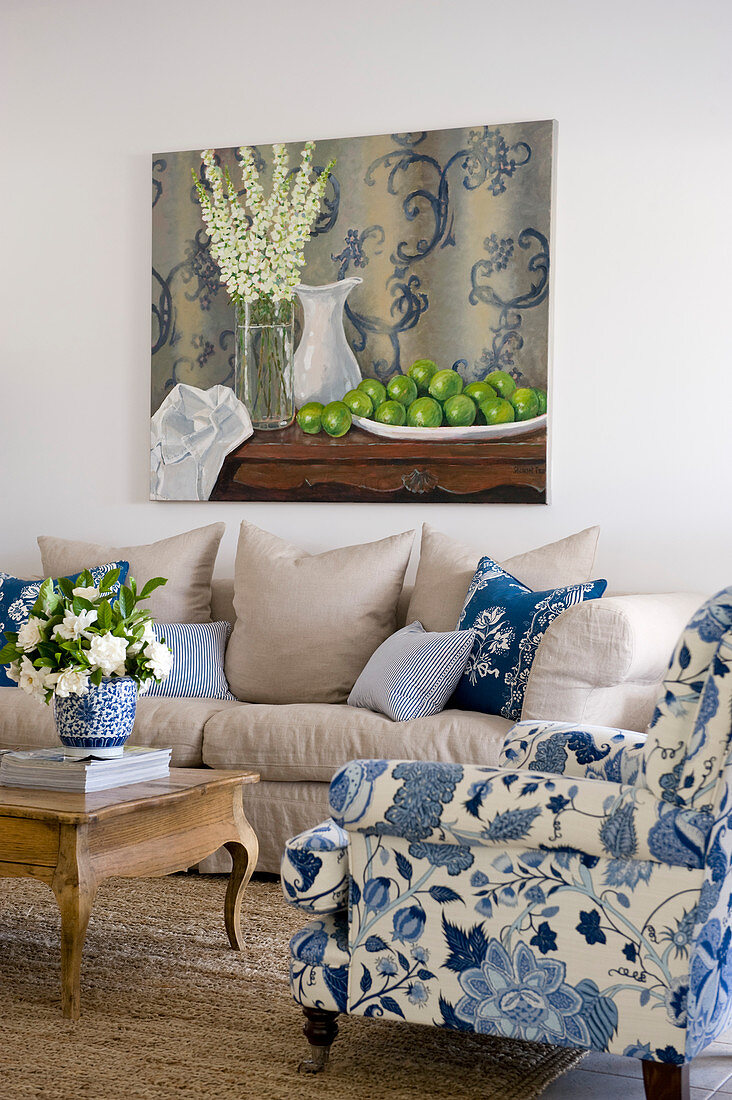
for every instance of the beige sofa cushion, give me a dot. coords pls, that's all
(446, 568)
(160, 723)
(187, 560)
(310, 741)
(602, 662)
(306, 624)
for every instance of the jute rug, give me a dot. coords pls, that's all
(170, 1013)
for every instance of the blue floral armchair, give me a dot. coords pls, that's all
(578, 894)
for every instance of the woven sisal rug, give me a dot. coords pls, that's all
(170, 1013)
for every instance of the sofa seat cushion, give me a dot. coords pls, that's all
(310, 741)
(159, 723)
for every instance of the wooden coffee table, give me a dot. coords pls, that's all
(73, 842)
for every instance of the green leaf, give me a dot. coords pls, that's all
(104, 615)
(151, 585)
(46, 593)
(123, 601)
(109, 580)
(9, 653)
(96, 677)
(66, 586)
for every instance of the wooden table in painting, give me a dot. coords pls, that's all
(73, 842)
(289, 465)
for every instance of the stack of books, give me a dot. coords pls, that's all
(50, 770)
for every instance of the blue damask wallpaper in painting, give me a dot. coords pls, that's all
(449, 229)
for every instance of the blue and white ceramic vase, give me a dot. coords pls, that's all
(99, 722)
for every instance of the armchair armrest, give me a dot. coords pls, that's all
(602, 662)
(442, 810)
(591, 752)
(315, 869)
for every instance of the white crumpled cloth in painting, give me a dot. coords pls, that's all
(191, 434)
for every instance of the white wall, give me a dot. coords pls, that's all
(642, 381)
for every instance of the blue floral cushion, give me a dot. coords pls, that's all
(18, 596)
(509, 621)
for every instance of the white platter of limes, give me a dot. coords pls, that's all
(431, 405)
(476, 433)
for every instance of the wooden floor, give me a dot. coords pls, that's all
(608, 1077)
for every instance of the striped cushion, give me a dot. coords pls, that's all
(413, 673)
(198, 660)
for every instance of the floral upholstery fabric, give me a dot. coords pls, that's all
(455, 805)
(315, 869)
(319, 959)
(592, 752)
(587, 903)
(678, 756)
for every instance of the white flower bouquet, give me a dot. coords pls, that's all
(259, 244)
(78, 634)
(258, 241)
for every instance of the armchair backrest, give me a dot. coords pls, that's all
(687, 738)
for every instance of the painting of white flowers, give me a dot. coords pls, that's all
(358, 319)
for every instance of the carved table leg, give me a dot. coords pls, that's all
(75, 887)
(244, 854)
(663, 1081)
(320, 1030)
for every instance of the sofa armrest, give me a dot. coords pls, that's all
(602, 662)
(444, 810)
(315, 869)
(563, 748)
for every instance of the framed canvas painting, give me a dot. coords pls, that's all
(427, 270)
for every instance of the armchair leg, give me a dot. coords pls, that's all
(320, 1031)
(666, 1082)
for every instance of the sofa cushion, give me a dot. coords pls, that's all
(446, 568)
(306, 624)
(186, 560)
(413, 673)
(159, 723)
(198, 661)
(310, 741)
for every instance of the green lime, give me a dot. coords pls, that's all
(375, 390)
(336, 418)
(444, 384)
(479, 391)
(359, 403)
(309, 417)
(402, 388)
(541, 398)
(502, 383)
(460, 411)
(391, 412)
(497, 411)
(421, 372)
(525, 403)
(425, 412)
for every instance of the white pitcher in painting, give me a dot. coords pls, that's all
(325, 366)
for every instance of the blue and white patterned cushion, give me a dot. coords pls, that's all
(18, 596)
(413, 673)
(315, 869)
(198, 661)
(509, 621)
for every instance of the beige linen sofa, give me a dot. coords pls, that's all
(600, 662)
